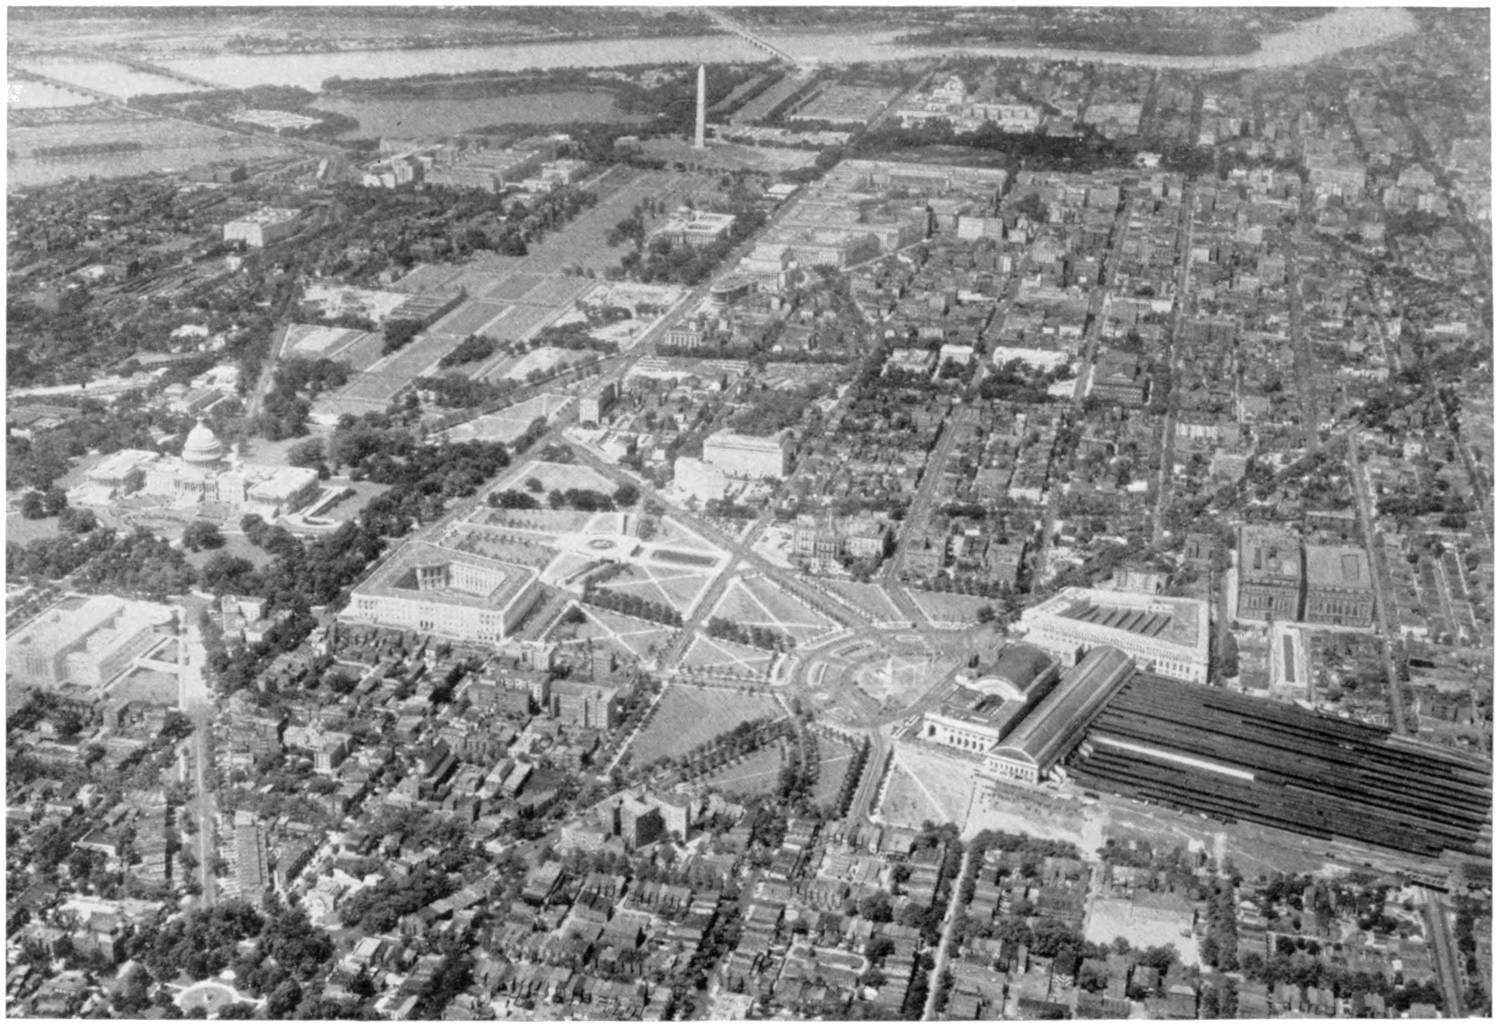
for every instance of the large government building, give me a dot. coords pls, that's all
(1056, 726)
(1166, 636)
(1270, 573)
(1281, 579)
(199, 480)
(983, 709)
(1339, 588)
(747, 455)
(436, 590)
(83, 641)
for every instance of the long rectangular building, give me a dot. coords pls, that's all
(1163, 635)
(747, 455)
(1051, 730)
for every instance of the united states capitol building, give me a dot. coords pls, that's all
(204, 479)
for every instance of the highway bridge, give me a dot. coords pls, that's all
(730, 25)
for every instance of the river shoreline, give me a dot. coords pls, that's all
(1341, 30)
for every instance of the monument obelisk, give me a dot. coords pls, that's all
(698, 137)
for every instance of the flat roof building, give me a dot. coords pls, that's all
(748, 455)
(1168, 636)
(85, 641)
(1340, 590)
(694, 227)
(1270, 574)
(265, 226)
(437, 590)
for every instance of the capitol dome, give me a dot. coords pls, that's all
(202, 445)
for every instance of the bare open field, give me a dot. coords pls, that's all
(688, 716)
(1108, 918)
(927, 785)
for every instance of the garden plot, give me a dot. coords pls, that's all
(871, 600)
(716, 655)
(483, 270)
(674, 586)
(687, 716)
(556, 291)
(469, 317)
(427, 278)
(641, 639)
(513, 287)
(756, 602)
(949, 611)
(318, 340)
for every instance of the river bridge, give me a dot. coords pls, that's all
(146, 67)
(730, 25)
(57, 83)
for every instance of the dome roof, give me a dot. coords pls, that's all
(202, 445)
(1015, 672)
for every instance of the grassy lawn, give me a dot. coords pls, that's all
(756, 775)
(235, 544)
(22, 531)
(942, 607)
(689, 716)
(833, 762)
